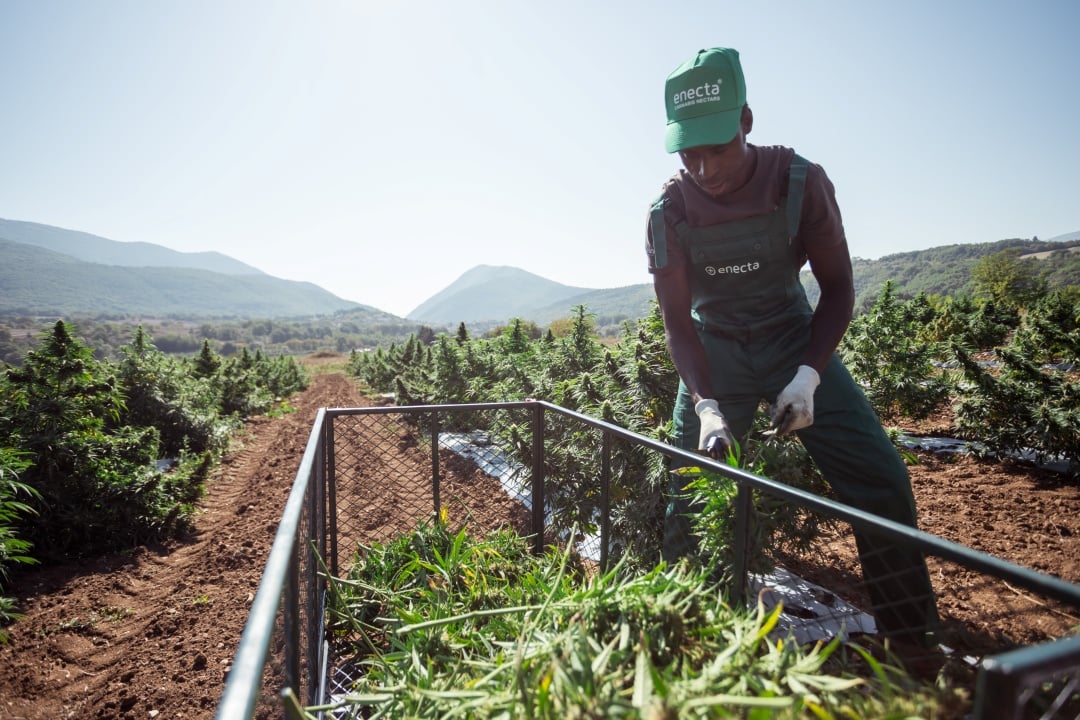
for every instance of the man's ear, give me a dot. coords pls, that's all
(747, 119)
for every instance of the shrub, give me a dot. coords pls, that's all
(13, 550)
(1023, 407)
(97, 481)
(884, 354)
(160, 392)
(1050, 331)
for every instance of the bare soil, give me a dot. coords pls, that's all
(151, 633)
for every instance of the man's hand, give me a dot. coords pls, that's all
(794, 407)
(715, 439)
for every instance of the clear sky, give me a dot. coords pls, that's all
(381, 149)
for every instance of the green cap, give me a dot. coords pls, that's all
(705, 97)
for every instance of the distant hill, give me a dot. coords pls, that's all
(46, 270)
(610, 307)
(493, 294)
(488, 295)
(1066, 238)
(96, 249)
(36, 279)
(946, 270)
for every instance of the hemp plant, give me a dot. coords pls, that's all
(777, 525)
(895, 368)
(13, 549)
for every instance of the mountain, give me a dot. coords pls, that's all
(95, 249)
(946, 269)
(610, 307)
(1067, 237)
(55, 273)
(494, 294)
(487, 295)
(47, 270)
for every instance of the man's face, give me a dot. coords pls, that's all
(719, 169)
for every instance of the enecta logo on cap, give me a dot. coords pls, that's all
(707, 92)
(704, 99)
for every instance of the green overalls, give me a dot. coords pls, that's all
(753, 320)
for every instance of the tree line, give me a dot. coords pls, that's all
(176, 336)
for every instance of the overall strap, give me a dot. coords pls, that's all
(796, 185)
(658, 230)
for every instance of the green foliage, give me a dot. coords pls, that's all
(631, 384)
(777, 526)
(96, 480)
(1022, 407)
(340, 333)
(282, 376)
(207, 364)
(990, 325)
(13, 550)
(92, 433)
(518, 334)
(10, 351)
(1063, 267)
(97, 484)
(58, 394)
(451, 382)
(885, 355)
(978, 324)
(1050, 332)
(1029, 403)
(446, 625)
(246, 384)
(162, 392)
(946, 270)
(896, 351)
(240, 391)
(1009, 281)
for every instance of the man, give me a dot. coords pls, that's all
(726, 241)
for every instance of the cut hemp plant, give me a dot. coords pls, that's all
(442, 625)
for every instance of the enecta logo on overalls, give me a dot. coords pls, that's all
(737, 269)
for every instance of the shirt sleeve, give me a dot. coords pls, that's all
(820, 224)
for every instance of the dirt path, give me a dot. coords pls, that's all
(151, 634)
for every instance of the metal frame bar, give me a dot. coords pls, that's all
(605, 499)
(314, 550)
(539, 460)
(242, 687)
(742, 547)
(331, 491)
(434, 430)
(1004, 680)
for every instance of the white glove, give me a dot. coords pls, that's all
(794, 408)
(715, 438)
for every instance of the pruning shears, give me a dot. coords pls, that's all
(716, 448)
(779, 424)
